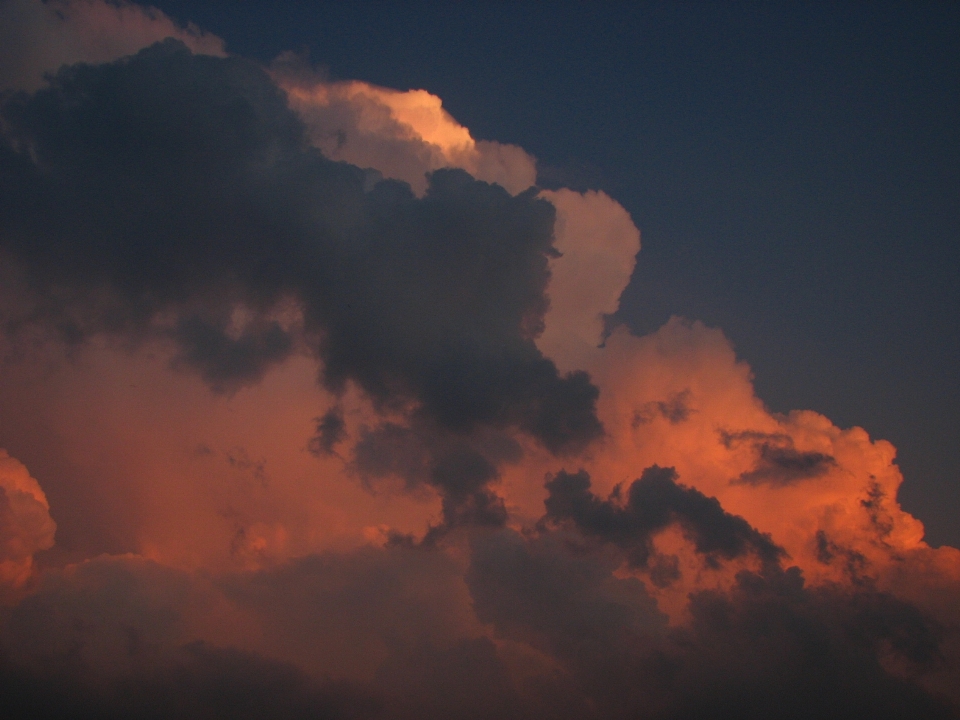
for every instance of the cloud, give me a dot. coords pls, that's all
(117, 637)
(301, 365)
(25, 523)
(534, 626)
(183, 187)
(778, 461)
(777, 639)
(344, 614)
(331, 429)
(674, 410)
(460, 467)
(466, 680)
(768, 646)
(597, 244)
(37, 37)
(227, 362)
(403, 135)
(195, 682)
(653, 502)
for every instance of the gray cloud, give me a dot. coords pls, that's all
(460, 467)
(675, 410)
(770, 647)
(778, 462)
(331, 429)
(536, 626)
(653, 502)
(194, 682)
(173, 185)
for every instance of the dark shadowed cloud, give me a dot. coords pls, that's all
(674, 410)
(778, 462)
(459, 467)
(770, 647)
(161, 193)
(317, 419)
(195, 682)
(653, 502)
(331, 429)
(535, 626)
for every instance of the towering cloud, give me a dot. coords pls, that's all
(328, 422)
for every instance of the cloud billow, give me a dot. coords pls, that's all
(460, 468)
(159, 193)
(654, 502)
(770, 646)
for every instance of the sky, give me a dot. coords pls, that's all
(389, 361)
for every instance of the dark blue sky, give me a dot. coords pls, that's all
(794, 170)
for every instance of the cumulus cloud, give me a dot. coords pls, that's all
(195, 682)
(533, 626)
(304, 369)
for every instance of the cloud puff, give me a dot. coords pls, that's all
(25, 523)
(778, 461)
(403, 135)
(534, 626)
(653, 502)
(597, 244)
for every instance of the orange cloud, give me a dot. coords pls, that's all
(244, 528)
(161, 466)
(401, 134)
(598, 244)
(25, 523)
